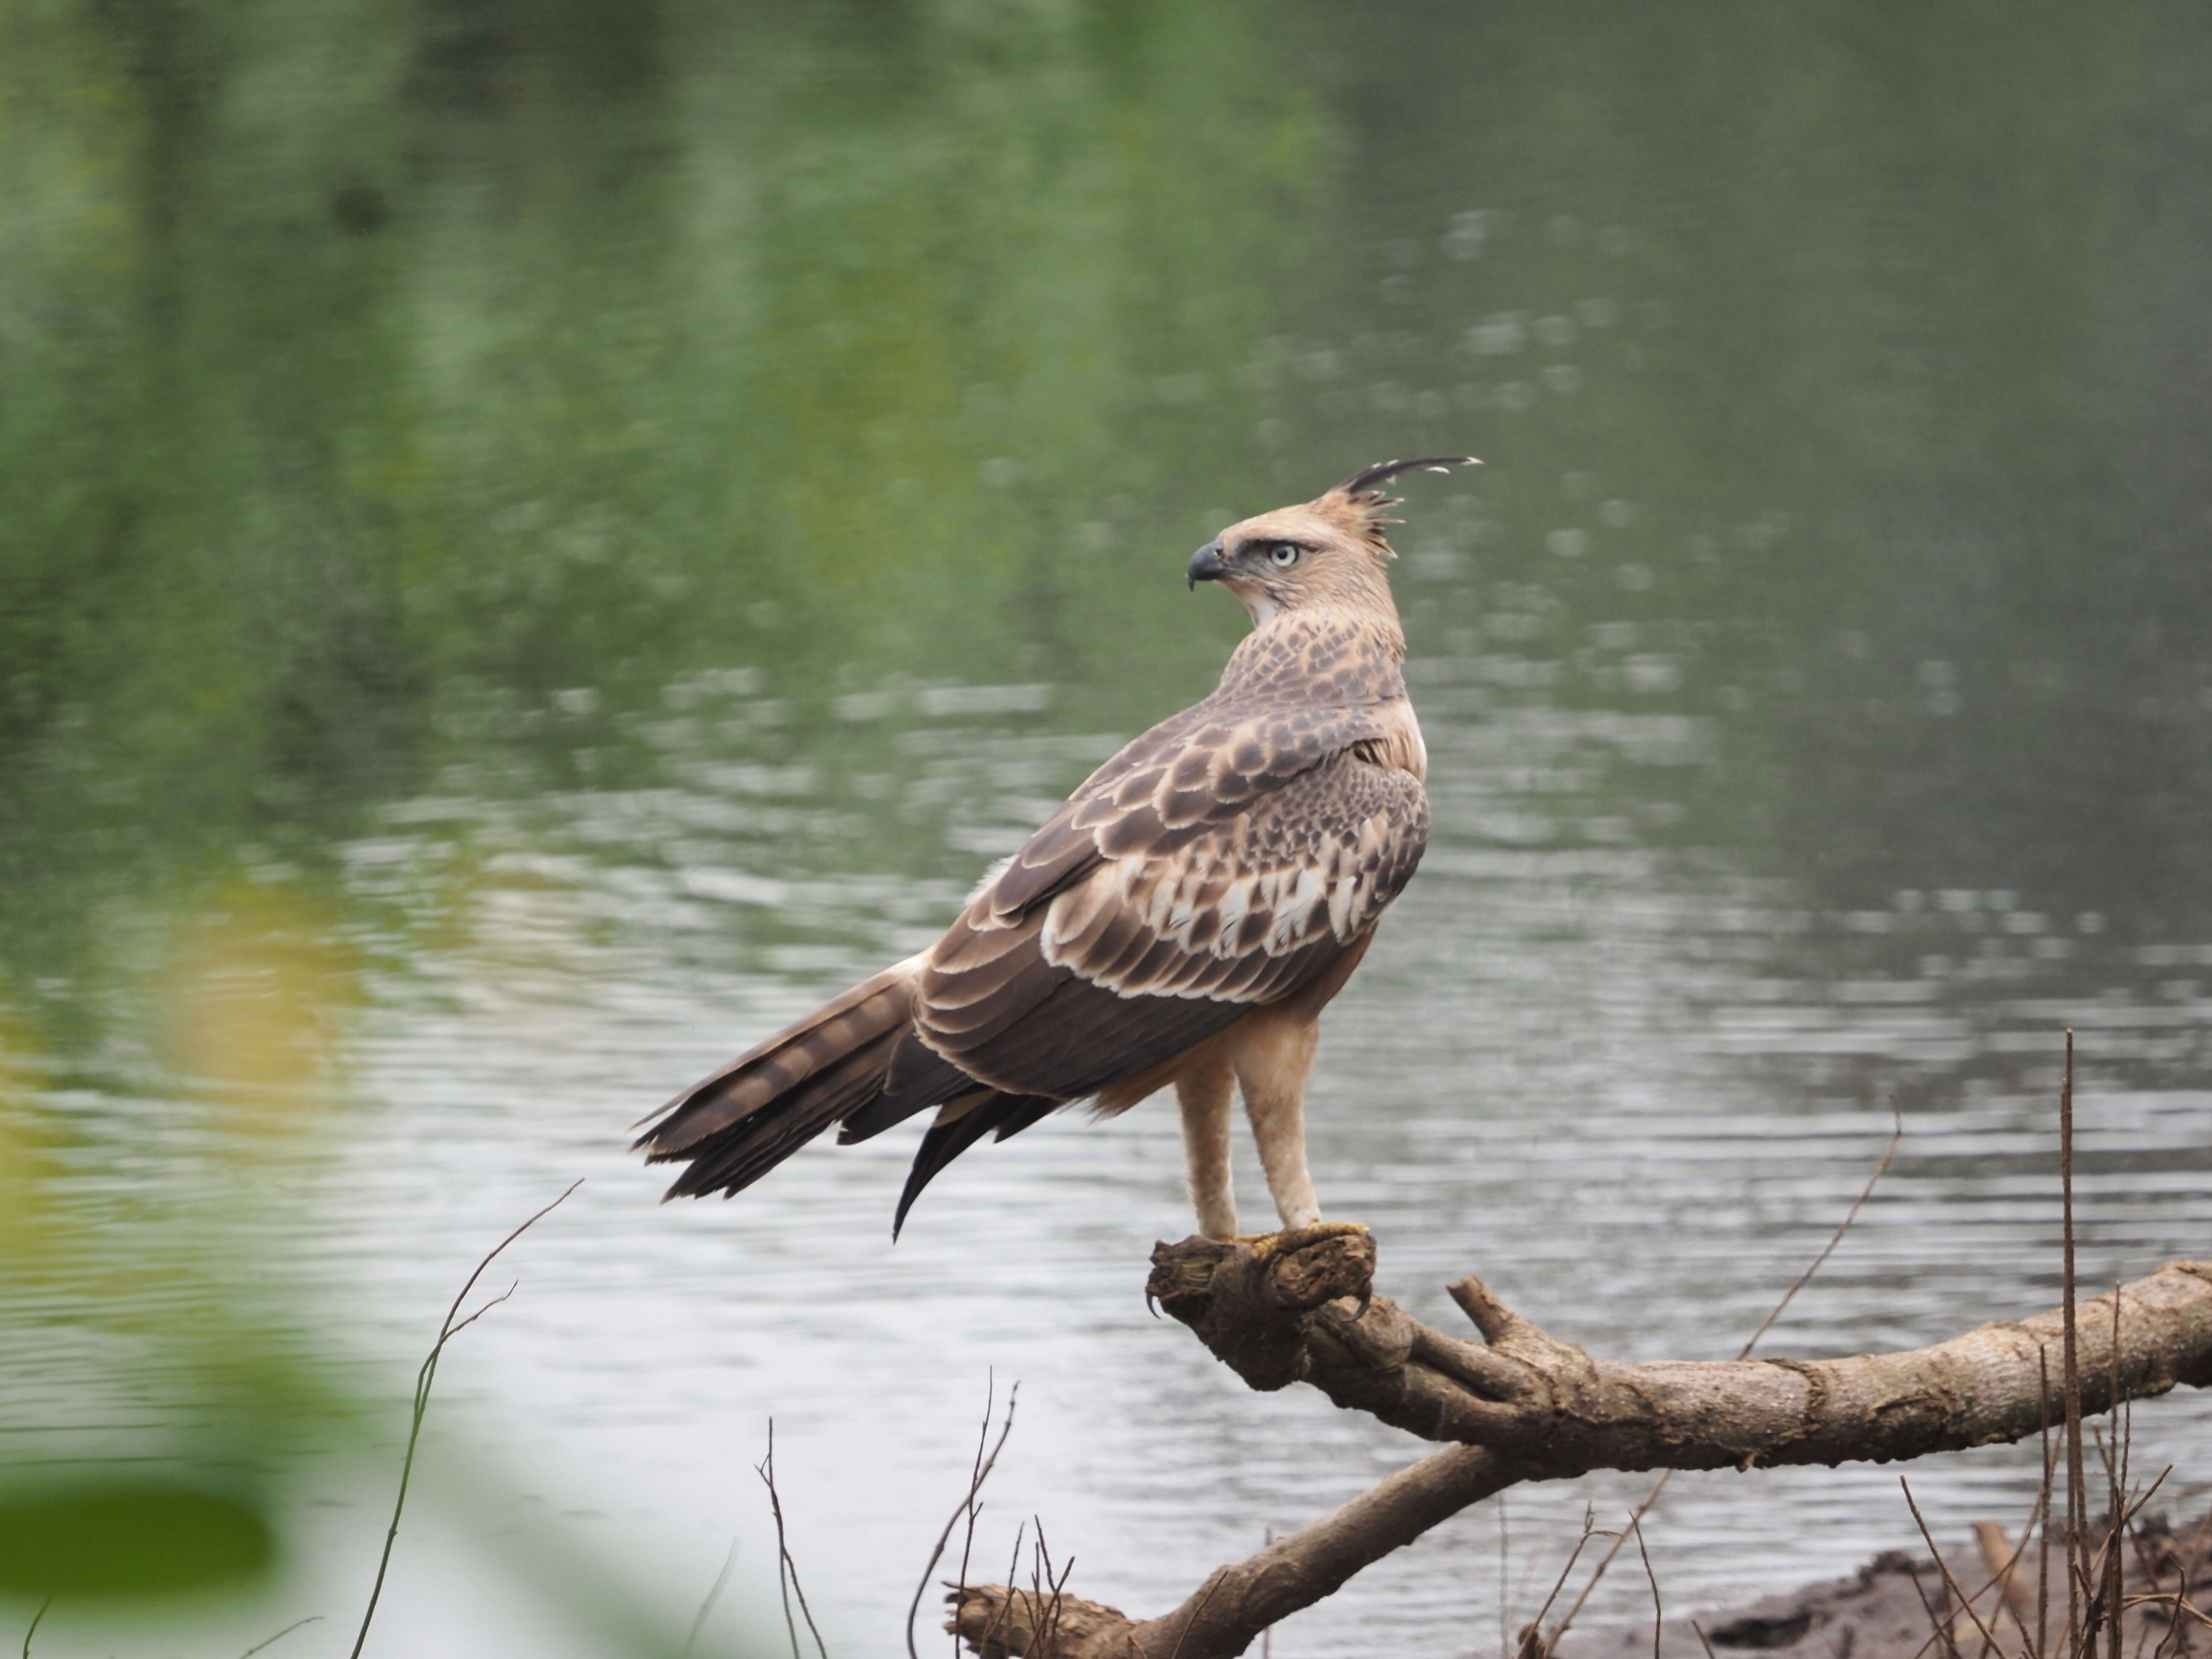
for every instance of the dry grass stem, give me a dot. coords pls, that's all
(971, 1507)
(1958, 1594)
(2077, 1477)
(1658, 1613)
(787, 1569)
(451, 1327)
(707, 1606)
(980, 1472)
(271, 1641)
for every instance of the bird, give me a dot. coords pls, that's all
(1181, 921)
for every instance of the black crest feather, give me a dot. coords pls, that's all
(1368, 478)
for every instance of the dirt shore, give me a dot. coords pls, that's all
(1903, 1605)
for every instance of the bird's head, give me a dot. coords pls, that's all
(1328, 551)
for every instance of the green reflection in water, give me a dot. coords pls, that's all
(375, 366)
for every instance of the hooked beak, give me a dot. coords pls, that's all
(1205, 564)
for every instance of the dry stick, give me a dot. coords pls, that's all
(2117, 1478)
(787, 1569)
(2174, 1628)
(446, 1331)
(981, 1473)
(1040, 1568)
(1958, 1594)
(2043, 1532)
(2113, 1532)
(2134, 1508)
(967, 1538)
(1533, 1645)
(1048, 1622)
(1504, 1604)
(1005, 1608)
(1520, 1585)
(766, 1470)
(2038, 1516)
(2011, 1582)
(2076, 1476)
(699, 1622)
(1059, 1596)
(1940, 1631)
(271, 1641)
(1888, 1155)
(1998, 1572)
(1658, 1613)
(2076, 1564)
(2002, 1557)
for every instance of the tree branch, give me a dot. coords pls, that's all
(1524, 1406)
(1299, 1315)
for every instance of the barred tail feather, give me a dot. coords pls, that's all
(734, 1127)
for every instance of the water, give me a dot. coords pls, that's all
(555, 542)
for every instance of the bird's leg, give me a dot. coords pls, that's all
(1274, 1080)
(1203, 1092)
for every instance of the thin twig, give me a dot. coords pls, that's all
(37, 1618)
(699, 1622)
(1881, 1168)
(2037, 1524)
(2116, 1475)
(447, 1330)
(271, 1641)
(975, 1480)
(1005, 1609)
(1504, 1604)
(2076, 1585)
(1939, 1626)
(2043, 1501)
(766, 1469)
(786, 1568)
(1888, 1156)
(1964, 1601)
(967, 1538)
(1048, 1620)
(1658, 1614)
(1533, 1643)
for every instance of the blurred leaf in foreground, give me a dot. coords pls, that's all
(114, 1538)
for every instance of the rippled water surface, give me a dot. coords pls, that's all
(552, 543)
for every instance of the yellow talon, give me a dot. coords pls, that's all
(1264, 1245)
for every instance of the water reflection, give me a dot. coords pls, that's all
(555, 540)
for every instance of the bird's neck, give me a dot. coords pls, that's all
(1356, 656)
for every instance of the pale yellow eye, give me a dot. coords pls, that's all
(1284, 555)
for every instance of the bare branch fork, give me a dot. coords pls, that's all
(1522, 1405)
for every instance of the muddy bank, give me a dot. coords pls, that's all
(1903, 1605)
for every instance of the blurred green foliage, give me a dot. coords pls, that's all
(144, 1537)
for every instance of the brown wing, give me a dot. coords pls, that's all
(1293, 694)
(1174, 929)
(1181, 779)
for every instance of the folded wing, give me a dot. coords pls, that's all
(1146, 953)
